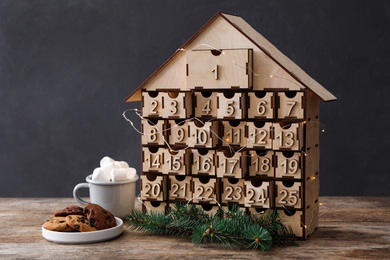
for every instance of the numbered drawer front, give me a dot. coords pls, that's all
(231, 105)
(288, 136)
(231, 164)
(203, 134)
(233, 133)
(177, 104)
(258, 193)
(180, 188)
(153, 187)
(205, 189)
(291, 105)
(177, 132)
(152, 104)
(155, 206)
(176, 162)
(205, 104)
(294, 219)
(258, 135)
(215, 69)
(203, 162)
(288, 165)
(261, 105)
(152, 159)
(261, 163)
(289, 194)
(233, 191)
(153, 132)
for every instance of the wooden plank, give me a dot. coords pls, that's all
(349, 228)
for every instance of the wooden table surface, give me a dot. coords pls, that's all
(350, 228)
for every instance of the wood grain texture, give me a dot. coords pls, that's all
(350, 228)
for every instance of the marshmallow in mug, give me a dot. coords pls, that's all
(111, 170)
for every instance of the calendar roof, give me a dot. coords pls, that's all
(226, 31)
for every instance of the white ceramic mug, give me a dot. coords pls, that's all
(116, 197)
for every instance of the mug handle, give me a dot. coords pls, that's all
(76, 194)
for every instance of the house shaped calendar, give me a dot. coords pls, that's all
(228, 119)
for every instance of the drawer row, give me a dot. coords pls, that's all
(223, 163)
(224, 105)
(211, 134)
(214, 191)
(300, 220)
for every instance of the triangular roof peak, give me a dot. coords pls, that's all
(244, 36)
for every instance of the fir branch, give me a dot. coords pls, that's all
(259, 236)
(155, 223)
(233, 229)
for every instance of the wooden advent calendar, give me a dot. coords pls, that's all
(229, 119)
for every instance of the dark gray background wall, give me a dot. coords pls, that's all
(67, 66)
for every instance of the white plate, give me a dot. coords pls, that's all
(84, 237)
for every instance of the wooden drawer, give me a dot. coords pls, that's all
(216, 69)
(231, 105)
(153, 132)
(177, 105)
(152, 104)
(259, 135)
(205, 190)
(261, 105)
(289, 194)
(180, 188)
(233, 191)
(203, 162)
(153, 187)
(231, 164)
(258, 193)
(261, 163)
(291, 105)
(288, 165)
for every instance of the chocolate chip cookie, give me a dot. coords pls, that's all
(79, 223)
(99, 217)
(71, 210)
(57, 224)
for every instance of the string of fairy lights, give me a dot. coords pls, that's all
(222, 139)
(231, 148)
(225, 141)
